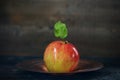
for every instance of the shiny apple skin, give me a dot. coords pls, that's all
(60, 56)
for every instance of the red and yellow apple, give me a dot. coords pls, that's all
(61, 56)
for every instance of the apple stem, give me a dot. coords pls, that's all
(66, 42)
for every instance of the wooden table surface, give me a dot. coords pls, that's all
(9, 71)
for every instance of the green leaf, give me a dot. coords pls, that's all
(60, 30)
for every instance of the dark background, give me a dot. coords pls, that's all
(26, 26)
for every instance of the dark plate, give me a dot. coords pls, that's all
(39, 66)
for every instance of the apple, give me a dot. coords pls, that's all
(61, 56)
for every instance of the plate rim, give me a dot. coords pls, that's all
(101, 65)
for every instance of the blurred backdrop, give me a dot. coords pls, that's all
(26, 26)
